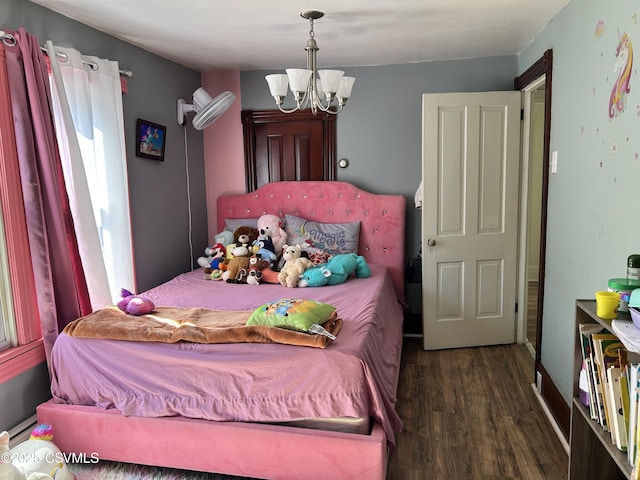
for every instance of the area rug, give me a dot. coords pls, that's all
(106, 470)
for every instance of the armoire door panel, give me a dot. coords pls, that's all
(297, 146)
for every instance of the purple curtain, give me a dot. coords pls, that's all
(60, 283)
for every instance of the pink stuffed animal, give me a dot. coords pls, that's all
(271, 226)
(135, 304)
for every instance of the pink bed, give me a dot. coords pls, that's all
(225, 408)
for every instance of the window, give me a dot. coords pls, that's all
(8, 336)
(22, 346)
(21, 333)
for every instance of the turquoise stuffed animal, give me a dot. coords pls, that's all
(335, 271)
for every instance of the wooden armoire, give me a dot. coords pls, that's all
(288, 146)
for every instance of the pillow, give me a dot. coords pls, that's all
(333, 238)
(232, 223)
(292, 313)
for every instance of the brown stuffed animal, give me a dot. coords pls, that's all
(245, 235)
(239, 261)
(253, 275)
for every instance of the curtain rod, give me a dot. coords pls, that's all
(93, 66)
(10, 40)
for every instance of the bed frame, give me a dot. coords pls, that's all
(250, 449)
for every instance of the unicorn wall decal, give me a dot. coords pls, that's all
(622, 67)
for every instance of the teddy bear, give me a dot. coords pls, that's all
(335, 271)
(295, 264)
(239, 261)
(245, 235)
(271, 226)
(35, 459)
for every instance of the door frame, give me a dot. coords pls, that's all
(541, 68)
(544, 384)
(250, 118)
(525, 173)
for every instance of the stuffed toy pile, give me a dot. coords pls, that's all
(36, 459)
(262, 256)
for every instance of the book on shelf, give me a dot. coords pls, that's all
(597, 406)
(618, 423)
(624, 398)
(606, 349)
(587, 389)
(594, 402)
(634, 396)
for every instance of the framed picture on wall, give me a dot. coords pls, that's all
(150, 140)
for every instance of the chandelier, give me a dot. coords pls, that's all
(310, 85)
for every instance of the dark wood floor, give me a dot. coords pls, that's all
(471, 414)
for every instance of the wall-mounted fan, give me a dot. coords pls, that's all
(207, 109)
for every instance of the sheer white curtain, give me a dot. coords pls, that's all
(90, 127)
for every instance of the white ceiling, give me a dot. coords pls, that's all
(270, 34)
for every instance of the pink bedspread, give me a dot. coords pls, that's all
(355, 376)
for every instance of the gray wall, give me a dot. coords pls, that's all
(158, 190)
(20, 395)
(380, 129)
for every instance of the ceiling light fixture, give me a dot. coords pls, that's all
(308, 85)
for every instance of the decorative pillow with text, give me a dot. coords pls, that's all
(332, 238)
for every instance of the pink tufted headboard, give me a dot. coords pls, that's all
(382, 217)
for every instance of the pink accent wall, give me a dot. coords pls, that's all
(223, 146)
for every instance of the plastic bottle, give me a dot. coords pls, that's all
(633, 267)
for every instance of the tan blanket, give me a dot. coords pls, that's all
(199, 325)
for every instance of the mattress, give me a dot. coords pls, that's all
(342, 386)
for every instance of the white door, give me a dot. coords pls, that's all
(470, 218)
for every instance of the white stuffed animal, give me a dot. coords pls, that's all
(36, 459)
(294, 266)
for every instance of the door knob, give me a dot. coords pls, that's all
(431, 242)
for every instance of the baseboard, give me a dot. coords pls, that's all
(554, 400)
(532, 350)
(412, 335)
(551, 418)
(22, 431)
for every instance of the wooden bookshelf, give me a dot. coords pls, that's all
(592, 454)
